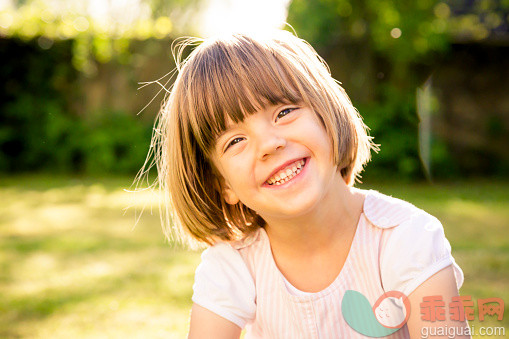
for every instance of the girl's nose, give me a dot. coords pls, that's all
(270, 143)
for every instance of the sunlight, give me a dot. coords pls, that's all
(225, 16)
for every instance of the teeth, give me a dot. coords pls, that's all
(286, 174)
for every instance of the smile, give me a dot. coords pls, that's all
(287, 173)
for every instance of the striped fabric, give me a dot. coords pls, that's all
(283, 314)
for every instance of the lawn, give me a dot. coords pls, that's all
(75, 264)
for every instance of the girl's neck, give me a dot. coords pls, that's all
(334, 219)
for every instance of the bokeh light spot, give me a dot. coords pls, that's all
(395, 33)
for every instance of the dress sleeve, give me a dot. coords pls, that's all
(414, 251)
(224, 285)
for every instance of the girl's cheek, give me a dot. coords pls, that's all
(233, 167)
(241, 167)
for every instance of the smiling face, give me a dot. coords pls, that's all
(279, 156)
(278, 161)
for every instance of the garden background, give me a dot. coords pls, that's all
(78, 259)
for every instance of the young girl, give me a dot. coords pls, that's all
(259, 151)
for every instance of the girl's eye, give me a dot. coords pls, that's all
(233, 142)
(284, 112)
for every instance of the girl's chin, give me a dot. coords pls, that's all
(292, 208)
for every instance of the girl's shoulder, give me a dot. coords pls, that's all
(413, 245)
(234, 252)
(223, 284)
(384, 211)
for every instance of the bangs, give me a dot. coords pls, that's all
(229, 80)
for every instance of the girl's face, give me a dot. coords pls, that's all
(278, 161)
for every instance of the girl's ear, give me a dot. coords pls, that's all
(350, 179)
(229, 196)
(226, 191)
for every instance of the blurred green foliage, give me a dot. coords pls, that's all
(394, 125)
(46, 50)
(113, 142)
(101, 38)
(40, 128)
(402, 32)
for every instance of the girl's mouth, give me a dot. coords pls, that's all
(287, 173)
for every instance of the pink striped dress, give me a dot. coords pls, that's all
(396, 247)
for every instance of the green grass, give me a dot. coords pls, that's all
(73, 264)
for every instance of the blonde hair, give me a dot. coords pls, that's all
(229, 78)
